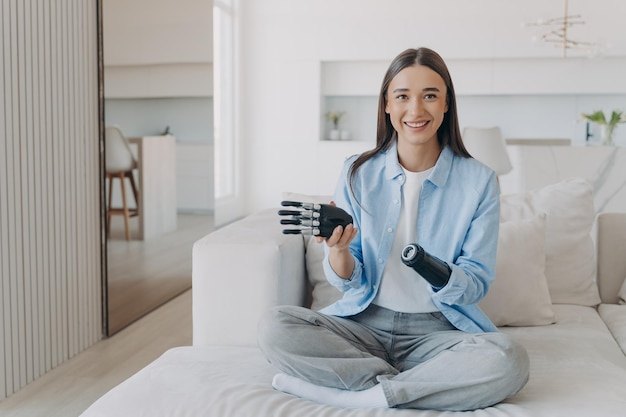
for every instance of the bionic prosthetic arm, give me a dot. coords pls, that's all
(313, 219)
(433, 269)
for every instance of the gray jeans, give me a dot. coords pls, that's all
(420, 360)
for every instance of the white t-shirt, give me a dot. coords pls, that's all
(402, 289)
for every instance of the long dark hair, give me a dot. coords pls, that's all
(449, 133)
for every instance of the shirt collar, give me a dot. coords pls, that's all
(440, 174)
(393, 168)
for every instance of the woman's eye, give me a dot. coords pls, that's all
(430, 96)
(402, 97)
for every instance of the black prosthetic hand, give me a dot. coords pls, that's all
(313, 219)
(433, 269)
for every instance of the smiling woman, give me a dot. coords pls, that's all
(415, 329)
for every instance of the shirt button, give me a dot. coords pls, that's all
(395, 201)
(389, 229)
(380, 260)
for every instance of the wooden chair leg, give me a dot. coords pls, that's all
(125, 206)
(131, 177)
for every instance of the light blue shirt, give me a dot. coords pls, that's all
(458, 220)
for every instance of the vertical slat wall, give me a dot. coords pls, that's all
(50, 262)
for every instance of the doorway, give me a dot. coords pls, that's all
(158, 90)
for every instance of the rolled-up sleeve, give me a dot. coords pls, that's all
(342, 284)
(473, 270)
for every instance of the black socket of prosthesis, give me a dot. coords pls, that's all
(313, 218)
(433, 269)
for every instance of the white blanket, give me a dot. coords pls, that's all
(577, 369)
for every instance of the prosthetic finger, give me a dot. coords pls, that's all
(313, 218)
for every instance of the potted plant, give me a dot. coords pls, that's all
(334, 118)
(607, 126)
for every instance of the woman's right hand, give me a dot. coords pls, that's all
(340, 239)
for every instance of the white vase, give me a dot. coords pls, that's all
(606, 134)
(334, 134)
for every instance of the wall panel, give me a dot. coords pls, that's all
(50, 262)
(4, 237)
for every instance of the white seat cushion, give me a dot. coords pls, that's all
(577, 370)
(614, 315)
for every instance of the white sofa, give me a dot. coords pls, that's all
(546, 296)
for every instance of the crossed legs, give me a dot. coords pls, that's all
(428, 364)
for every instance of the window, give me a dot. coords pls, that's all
(224, 98)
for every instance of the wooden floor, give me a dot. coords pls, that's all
(69, 389)
(149, 312)
(143, 275)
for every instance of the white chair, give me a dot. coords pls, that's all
(120, 163)
(487, 145)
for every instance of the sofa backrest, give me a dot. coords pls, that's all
(611, 246)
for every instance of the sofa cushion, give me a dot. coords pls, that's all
(519, 295)
(323, 293)
(576, 370)
(570, 254)
(614, 315)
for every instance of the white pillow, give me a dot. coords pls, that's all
(570, 254)
(519, 295)
(324, 294)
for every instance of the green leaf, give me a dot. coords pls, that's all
(596, 117)
(617, 116)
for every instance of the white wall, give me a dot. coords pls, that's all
(158, 54)
(146, 32)
(284, 43)
(158, 72)
(189, 118)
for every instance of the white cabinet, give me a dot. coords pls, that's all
(504, 92)
(194, 177)
(538, 76)
(157, 188)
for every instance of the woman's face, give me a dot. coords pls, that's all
(416, 104)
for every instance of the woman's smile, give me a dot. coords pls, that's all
(416, 125)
